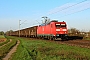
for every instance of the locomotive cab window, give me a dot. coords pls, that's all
(57, 25)
(60, 25)
(63, 25)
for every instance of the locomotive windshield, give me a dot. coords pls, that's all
(63, 25)
(57, 25)
(60, 25)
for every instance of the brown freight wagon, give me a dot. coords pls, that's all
(16, 33)
(22, 33)
(29, 32)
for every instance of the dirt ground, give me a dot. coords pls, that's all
(8, 56)
(2, 40)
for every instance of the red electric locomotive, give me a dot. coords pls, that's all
(52, 30)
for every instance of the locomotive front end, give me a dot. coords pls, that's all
(61, 30)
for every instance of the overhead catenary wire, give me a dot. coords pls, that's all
(68, 7)
(76, 11)
(73, 13)
(23, 22)
(38, 22)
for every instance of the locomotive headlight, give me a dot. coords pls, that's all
(57, 35)
(57, 29)
(57, 24)
(64, 30)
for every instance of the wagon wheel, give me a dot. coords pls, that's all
(50, 38)
(53, 38)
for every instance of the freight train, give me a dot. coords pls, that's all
(53, 30)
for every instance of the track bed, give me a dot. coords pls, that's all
(80, 43)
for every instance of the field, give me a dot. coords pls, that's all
(6, 46)
(2, 38)
(29, 49)
(88, 38)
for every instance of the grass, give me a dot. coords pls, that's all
(7, 40)
(4, 42)
(44, 50)
(88, 38)
(5, 49)
(2, 36)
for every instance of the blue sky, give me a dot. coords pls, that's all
(11, 11)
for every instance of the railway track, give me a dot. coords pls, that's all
(80, 43)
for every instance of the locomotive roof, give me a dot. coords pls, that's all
(48, 23)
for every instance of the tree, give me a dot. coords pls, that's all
(89, 33)
(76, 32)
(1, 33)
(73, 31)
